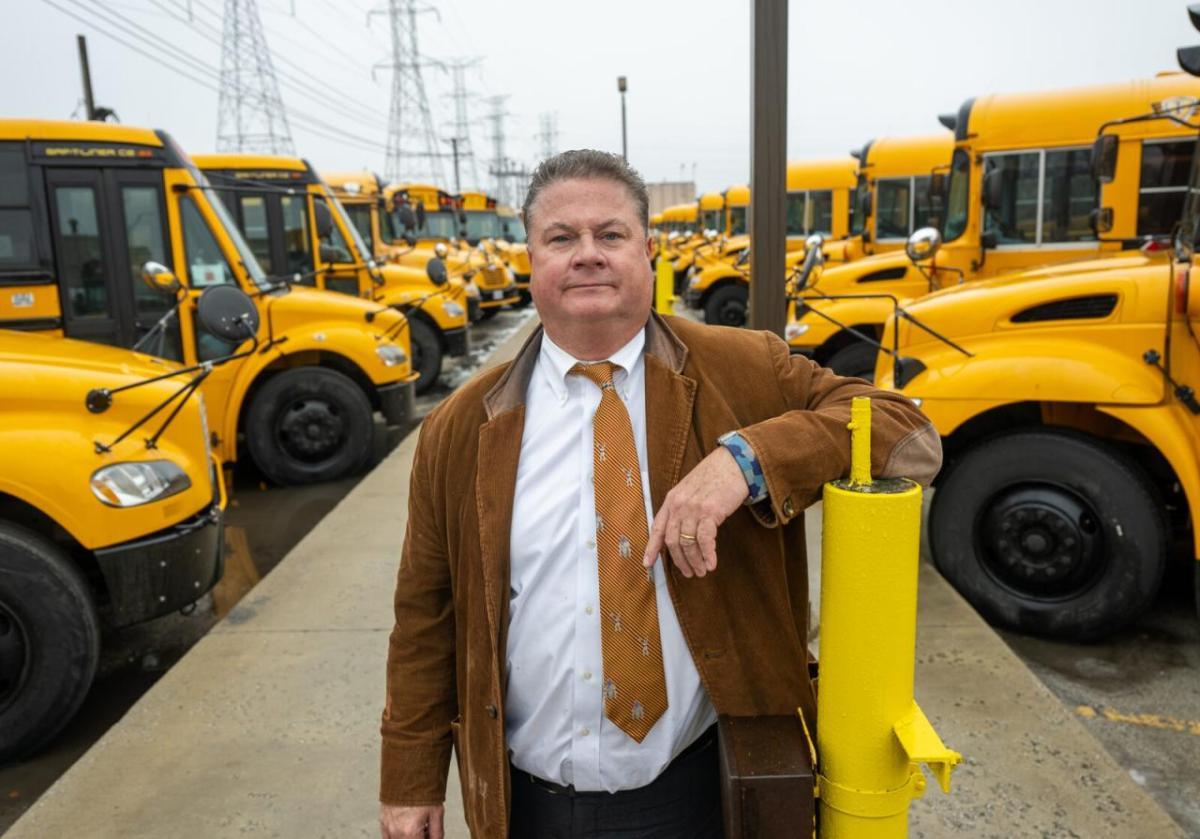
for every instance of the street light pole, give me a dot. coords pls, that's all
(621, 86)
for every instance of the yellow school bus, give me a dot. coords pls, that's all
(296, 226)
(434, 217)
(818, 201)
(1019, 193)
(893, 195)
(92, 207)
(1066, 400)
(362, 196)
(513, 250)
(104, 521)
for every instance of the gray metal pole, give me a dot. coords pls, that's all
(768, 164)
(89, 102)
(621, 86)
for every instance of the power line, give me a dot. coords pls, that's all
(311, 124)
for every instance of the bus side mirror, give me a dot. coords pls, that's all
(160, 278)
(1104, 158)
(993, 190)
(323, 219)
(436, 270)
(923, 244)
(408, 219)
(228, 313)
(1101, 220)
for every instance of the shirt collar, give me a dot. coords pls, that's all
(558, 362)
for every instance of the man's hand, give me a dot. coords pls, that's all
(412, 822)
(695, 507)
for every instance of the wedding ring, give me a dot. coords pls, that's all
(687, 537)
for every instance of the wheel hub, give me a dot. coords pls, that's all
(732, 313)
(311, 429)
(1041, 540)
(13, 655)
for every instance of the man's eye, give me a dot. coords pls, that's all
(559, 238)
(611, 236)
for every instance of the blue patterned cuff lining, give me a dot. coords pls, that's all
(737, 446)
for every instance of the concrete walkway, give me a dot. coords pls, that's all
(269, 726)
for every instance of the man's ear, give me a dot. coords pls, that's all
(649, 246)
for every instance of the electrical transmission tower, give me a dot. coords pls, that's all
(509, 181)
(250, 112)
(412, 142)
(547, 136)
(461, 141)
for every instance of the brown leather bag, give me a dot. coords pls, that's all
(767, 789)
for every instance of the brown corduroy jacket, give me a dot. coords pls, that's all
(745, 624)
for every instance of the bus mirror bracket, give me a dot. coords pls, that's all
(1101, 220)
(1104, 158)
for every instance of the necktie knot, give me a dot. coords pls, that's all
(601, 373)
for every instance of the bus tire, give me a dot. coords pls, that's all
(857, 359)
(49, 641)
(309, 424)
(426, 353)
(1050, 533)
(726, 306)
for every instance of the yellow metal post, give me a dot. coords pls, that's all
(871, 735)
(664, 281)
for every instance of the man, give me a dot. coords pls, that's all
(577, 676)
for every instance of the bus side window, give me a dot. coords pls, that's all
(1068, 196)
(795, 213)
(295, 236)
(145, 241)
(16, 216)
(336, 240)
(1163, 186)
(256, 229)
(206, 266)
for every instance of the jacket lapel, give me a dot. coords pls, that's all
(495, 483)
(670, 397)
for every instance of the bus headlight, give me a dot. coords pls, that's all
(391, 355)
(794, 330)
(133, 484)
(452, 309)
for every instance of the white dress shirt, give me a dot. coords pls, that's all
(554, 711)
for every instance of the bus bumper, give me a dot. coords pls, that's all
(397, 402)
(165, 571)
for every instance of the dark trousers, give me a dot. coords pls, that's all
(684, 802)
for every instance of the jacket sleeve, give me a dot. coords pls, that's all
(809, 444)
(421, 700)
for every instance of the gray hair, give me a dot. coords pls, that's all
(586, 164)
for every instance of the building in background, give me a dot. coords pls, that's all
(668, 193)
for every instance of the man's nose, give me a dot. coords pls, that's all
(587, 254)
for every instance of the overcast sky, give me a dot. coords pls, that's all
(856, 69)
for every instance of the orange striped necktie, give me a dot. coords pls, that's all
(635, 684)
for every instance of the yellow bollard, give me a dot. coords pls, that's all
(664, 282)
(871, 736)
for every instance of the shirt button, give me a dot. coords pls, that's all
(491, 711)
(584, 732)
(587, 677)
(591, 543)
(588, 610)
(788, 509)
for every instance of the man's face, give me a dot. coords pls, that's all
(589, 256)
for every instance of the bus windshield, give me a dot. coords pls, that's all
(737, 221)
(958, 195)
(245, 254)
(482, 224)
(512, 230)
